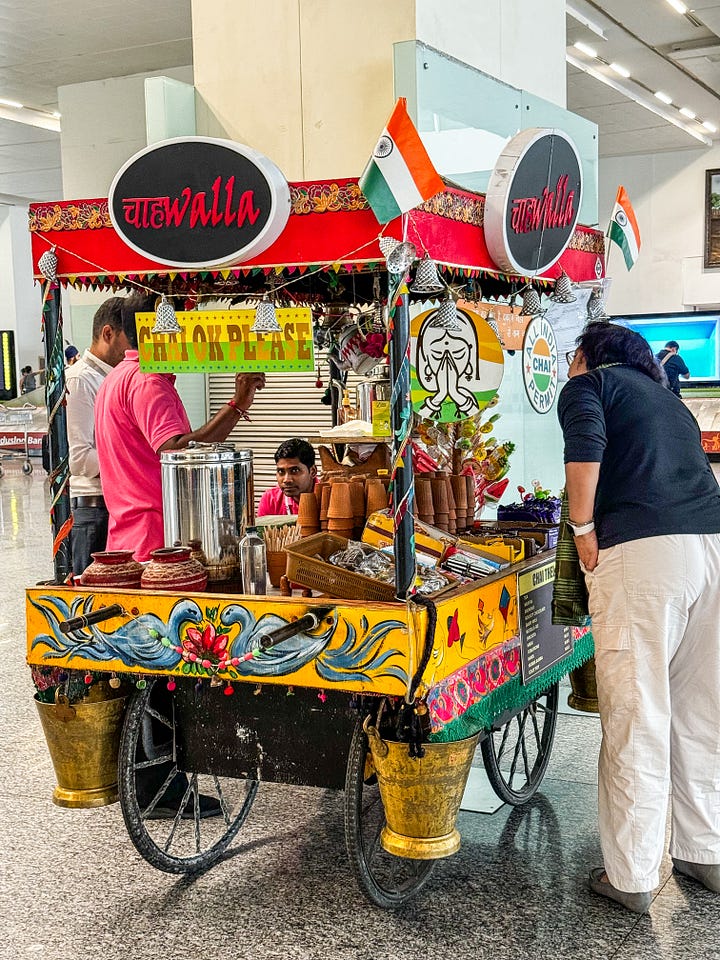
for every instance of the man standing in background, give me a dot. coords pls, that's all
(83, 380)
(673, 365)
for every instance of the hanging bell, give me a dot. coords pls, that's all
(492, 323)
(48, 264)
(387, 245)
(427, 279)
(165, 319)
(596, 305)
(401, 257)
(563, 291)
(531, 306)
(266, 320)
(447, 315)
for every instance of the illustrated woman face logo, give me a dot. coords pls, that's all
(447, 364)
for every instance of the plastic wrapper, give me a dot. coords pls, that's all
(379, 565)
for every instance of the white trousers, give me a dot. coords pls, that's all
(655, 607)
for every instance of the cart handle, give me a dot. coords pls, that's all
(308, 622)
(104, 613)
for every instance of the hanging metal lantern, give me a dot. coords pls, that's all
(48, 264)
(596, 305)
(427, 279)
(401, 257)
(165, 319)
(563, 292)
(266, 320)
(447, 315)
(531, 305)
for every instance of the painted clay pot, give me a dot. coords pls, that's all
(112, 568)
(172, 568)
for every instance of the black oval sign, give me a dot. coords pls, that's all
(199, 202)
(533, 201)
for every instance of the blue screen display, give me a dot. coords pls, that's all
(698, 338)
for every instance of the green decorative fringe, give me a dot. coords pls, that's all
(512, 695)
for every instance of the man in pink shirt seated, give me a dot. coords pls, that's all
(137, 416)
(296, 473)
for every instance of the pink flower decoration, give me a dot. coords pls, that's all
(205, 644)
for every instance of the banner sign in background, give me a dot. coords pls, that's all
(542, 643)
(220, 341)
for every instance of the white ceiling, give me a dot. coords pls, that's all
(45, 44)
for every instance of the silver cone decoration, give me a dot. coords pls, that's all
(531, 305)
(447, 316)
(387, 245)
(402, 257)
(427, 279)
(596, 305)
(165, 319)
(48, 264)
(563, 292)
(266, 320)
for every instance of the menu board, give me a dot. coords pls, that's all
(542, 643)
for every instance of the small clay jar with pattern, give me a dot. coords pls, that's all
(173, 569)
(112, 568)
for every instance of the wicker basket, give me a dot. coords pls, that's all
(307, 565)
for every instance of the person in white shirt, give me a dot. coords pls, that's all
(83, 380)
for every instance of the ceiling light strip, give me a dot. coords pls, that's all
(633, 95)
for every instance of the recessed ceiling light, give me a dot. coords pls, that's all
(584, 48)
(687, 112)
(11, 103)
(620, 70)
(679, 6)
(710, 126)
(663, 97)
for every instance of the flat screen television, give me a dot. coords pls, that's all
(697, 334)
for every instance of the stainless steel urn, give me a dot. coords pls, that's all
(208, 496)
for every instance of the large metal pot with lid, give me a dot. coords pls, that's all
(376, 388)
(208, 496)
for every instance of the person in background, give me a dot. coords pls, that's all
(296, 473)
(137, 417)
(83, 381)
(28, 383)
(72, 355)
(673, 365)
(645, 514)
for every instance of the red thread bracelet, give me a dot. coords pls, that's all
(242, 413)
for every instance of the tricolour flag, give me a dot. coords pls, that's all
(400, 174)
(623, 229)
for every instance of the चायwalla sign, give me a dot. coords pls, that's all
(220, 341)
(540, 364)
(198, 202)
(533, 201)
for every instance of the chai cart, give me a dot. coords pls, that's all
(230, 691)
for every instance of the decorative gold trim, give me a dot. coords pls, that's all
(326, 198)
(452, 206)
(46, 218)
(587, 242)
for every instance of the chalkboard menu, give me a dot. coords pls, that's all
(542, 643)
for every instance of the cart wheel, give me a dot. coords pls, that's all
(386, 880)
(517, 753)
(184, 839)
(27, 468)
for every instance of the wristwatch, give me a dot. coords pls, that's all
(580, 529)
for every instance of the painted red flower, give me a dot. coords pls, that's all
(206, 643)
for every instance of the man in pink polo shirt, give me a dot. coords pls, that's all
(137, 416)
(296, 473)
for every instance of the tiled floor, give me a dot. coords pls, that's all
(72, 886)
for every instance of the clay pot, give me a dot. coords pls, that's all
(340, 506)
(172, 568)
(423, 498)
(324, 506)
(376, 496)
(277, 561)
(439, 496)
(460, 494)
(308, 514)
(340, 528)
(318, 494)
(112, 568)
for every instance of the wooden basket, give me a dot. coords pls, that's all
(307, 565)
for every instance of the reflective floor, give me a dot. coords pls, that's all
(72, 887)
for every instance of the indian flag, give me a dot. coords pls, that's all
(400, 174)
(623, 228)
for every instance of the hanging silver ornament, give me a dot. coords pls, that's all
(447, 315)
(563, 291)
(165, 319)
(402, 257)
(48, 264)
(266, 320)
(427, 279)
(387, 245)
(596, 305)
(531, 305)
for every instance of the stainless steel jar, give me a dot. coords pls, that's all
(208, 496)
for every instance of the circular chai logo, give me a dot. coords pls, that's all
(540, 364)
(199, 202)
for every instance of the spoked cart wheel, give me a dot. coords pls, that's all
(386, 880)
(180, 821)
(517, 750)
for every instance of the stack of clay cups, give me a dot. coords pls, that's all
(308, 517)
(340, 510)
(461, 506)
(441, 507)
(324, 504)
(424, 500)
(376, 496)
(471, 502)
(452, 512)
(357, 502)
